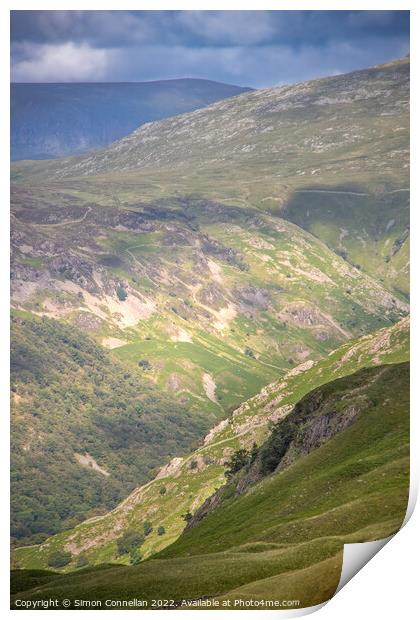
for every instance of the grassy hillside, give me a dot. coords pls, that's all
(293, 523)
(330, 154)
(216, 300)
(255, 129)
(86, 429)
(187, 482)
(216, 263)
(262, 239)
(370, 230)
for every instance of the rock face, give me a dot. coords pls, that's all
(318, 417)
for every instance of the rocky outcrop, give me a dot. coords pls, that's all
(319, 416)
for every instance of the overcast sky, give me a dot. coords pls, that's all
(249, 48)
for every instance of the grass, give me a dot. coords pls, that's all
(351, 489)
(187, 488)
(157, 227)
(364, 228)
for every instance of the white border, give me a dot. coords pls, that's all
(387, 586)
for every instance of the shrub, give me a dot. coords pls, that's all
(239, 459)
(187, 517)
(121, 293)
(129, 541)
(161, 530)
(135, 557)
(58, 559)
(147, 528)
(162, 490)
(82, 561)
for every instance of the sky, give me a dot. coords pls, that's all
(248, 48)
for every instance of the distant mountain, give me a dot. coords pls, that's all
(53, 120)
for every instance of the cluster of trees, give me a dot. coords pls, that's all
(59, 559)
(269, 454)
(132, 540)
(121, 293)
(70, 397)
(277, 444)
(240, 459)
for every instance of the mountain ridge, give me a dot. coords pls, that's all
(351, 87)
(50, 120)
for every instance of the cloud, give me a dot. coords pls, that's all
(255, 48)
(258, 66)
(66, 62)
(228, 27)
(192, 28)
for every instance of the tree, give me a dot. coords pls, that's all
(58, 559)
(254, 453)
(277, 445)
(147, 528)
(161, 530)
(129, 541)
(82, 561)
(239, 459)
(135, 557)
(187, 517)
(121, 293)
(162, 490)
(249, 352)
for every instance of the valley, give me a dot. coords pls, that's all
(333, 495)
(216, 291)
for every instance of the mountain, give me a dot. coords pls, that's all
(345, 479)
(330, 155)
(232, 259)
(215, 300)
(53, 120)
(185, 483)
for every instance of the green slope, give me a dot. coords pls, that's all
(368, 229)
(250, 240)
(346, 136)
(283, 538)
(86, 429)
(219, 301)
(190, 480)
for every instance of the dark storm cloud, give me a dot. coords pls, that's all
(248, 47)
